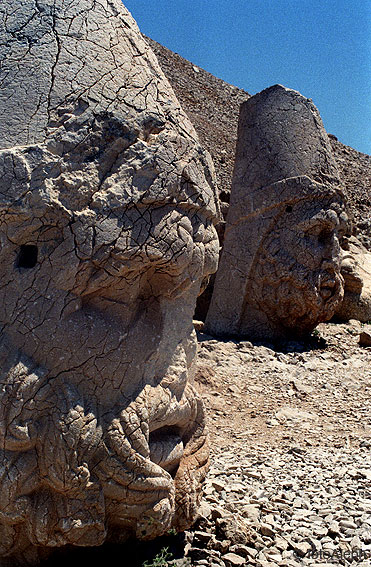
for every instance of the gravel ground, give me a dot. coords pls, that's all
(290, 481)
(293, 506)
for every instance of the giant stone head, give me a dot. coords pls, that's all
(279, 274)
(107, 206)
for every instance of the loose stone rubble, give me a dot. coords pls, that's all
(107, 207)
(290, 479)
(279, 273)
(293, 507)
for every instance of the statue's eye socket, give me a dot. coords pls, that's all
(325, 236)
(27, 257)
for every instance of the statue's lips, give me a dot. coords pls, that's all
(166, 449)
(169, 430)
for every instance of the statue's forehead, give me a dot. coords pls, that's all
(318, 205)
(59, 51)
(99, 109)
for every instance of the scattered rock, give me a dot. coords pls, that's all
(233, 560)
(267, 530)
(236, 529)
(218, 485)
(365, 338)
(301, 549)
(346, 524)
(302, 388)
(294, 414)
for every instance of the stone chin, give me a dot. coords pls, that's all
(290, 301)
(74, 475)
(321, 301)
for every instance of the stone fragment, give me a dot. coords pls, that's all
(267, 530)
(294, 415)
(347, 524)
(250, 511)
(243, 550)
(107, 213)
(219, 485)
(218, 512)
(302, 388)
(320, 531)
(333, 529)
(280, 543)
(236, 529)
(301, 548)
(223, 545)
(204, 510)
(365, 338)
(355, 542)
(272, 555)
(233, 560)
(198, 554)
(202, 537)
(279, 273)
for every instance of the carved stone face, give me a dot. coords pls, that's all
(106, 232)
(99, 422)
(279, 274)
(298, 267)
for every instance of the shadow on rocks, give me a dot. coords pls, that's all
(311, 343)
(133, 553)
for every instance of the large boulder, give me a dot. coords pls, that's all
(356, 271)
(279, 274)
(107, 207)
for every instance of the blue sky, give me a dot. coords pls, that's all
(321, 48)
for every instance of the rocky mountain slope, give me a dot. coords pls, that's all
(213, 107)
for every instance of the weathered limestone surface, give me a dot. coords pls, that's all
(107, 207)
(356, 271)
(280, 268)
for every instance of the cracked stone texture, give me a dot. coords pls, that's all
(279, 273)
(107, 213)
(356, 271)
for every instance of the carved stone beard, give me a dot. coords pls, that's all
(137, 467)
(289, 294)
